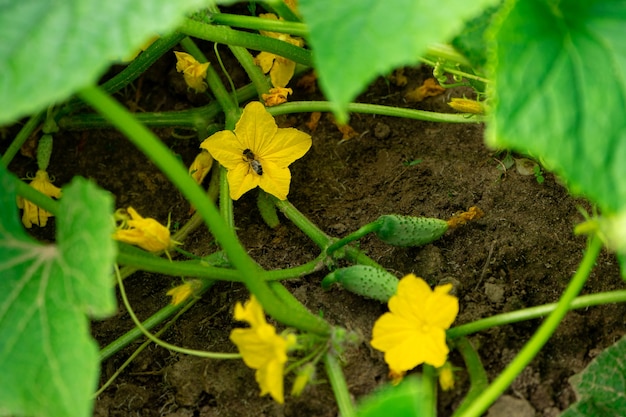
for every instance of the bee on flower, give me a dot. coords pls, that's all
(257, 153)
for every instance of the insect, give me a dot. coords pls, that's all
(251, 159)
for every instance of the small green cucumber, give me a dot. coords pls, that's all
(410, 231)
(364, 280)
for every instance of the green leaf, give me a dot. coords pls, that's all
(409, 399)
(354, 41)
(51, 49)
(48, 359)
(471, 41)
(601, 387)
(559, 72)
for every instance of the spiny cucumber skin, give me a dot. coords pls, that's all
(364, 280)
(410, 231)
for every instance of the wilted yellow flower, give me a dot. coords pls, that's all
(34, 214)
(193, 71)
(467, 106)
(414, 330)
(183, 291)
(201, 166)
(280, 69)
(261, 348)
(276, 96)
(258, 153)
(147, 233)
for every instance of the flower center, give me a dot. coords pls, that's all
(250, 158)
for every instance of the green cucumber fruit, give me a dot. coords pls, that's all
(364, 280)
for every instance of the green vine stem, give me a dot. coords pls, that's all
(476, 371)
(282, 10)
(144, 345)
(455, 71)
(228, 105)
(133, 257)
(314, 233)
(202, 115)
(133, 70)
(21, 137)
(149, 144)
(153, 321)
(338, 383)
(362, 231)
(226, 35)
(325, 106)
(259, 80)
(162, 343)
(541, 336)
(530, 313)
(257, 23)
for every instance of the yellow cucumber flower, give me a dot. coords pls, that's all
(193, 71)
(261, 348)
(201, 166)
(258, 153)
(183, 291)
(34, 214)
(280, 69)
(147, 233)
(276, 96)
(414, 330)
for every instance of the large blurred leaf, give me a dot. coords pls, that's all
(409, 399)
(354, 41)
(50, 48)
(560, 92)
(48, 360)
(601, 387)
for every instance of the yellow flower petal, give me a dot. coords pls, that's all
(193, 71)
(282, 71)
(182, 292)
(251, 312)
(413, 332)
(34, 214)
(261, 348)
(265, 60)
(201, 166)
(241, 180)
(446, 377)
(147, 233)
(275, 180)
(256, 128)
(225, 147)
(276, 96)
(289, 144)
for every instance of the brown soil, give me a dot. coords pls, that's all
(521, 254)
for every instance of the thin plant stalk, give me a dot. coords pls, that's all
(338, 383)
(162, 156)
(541, 336)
